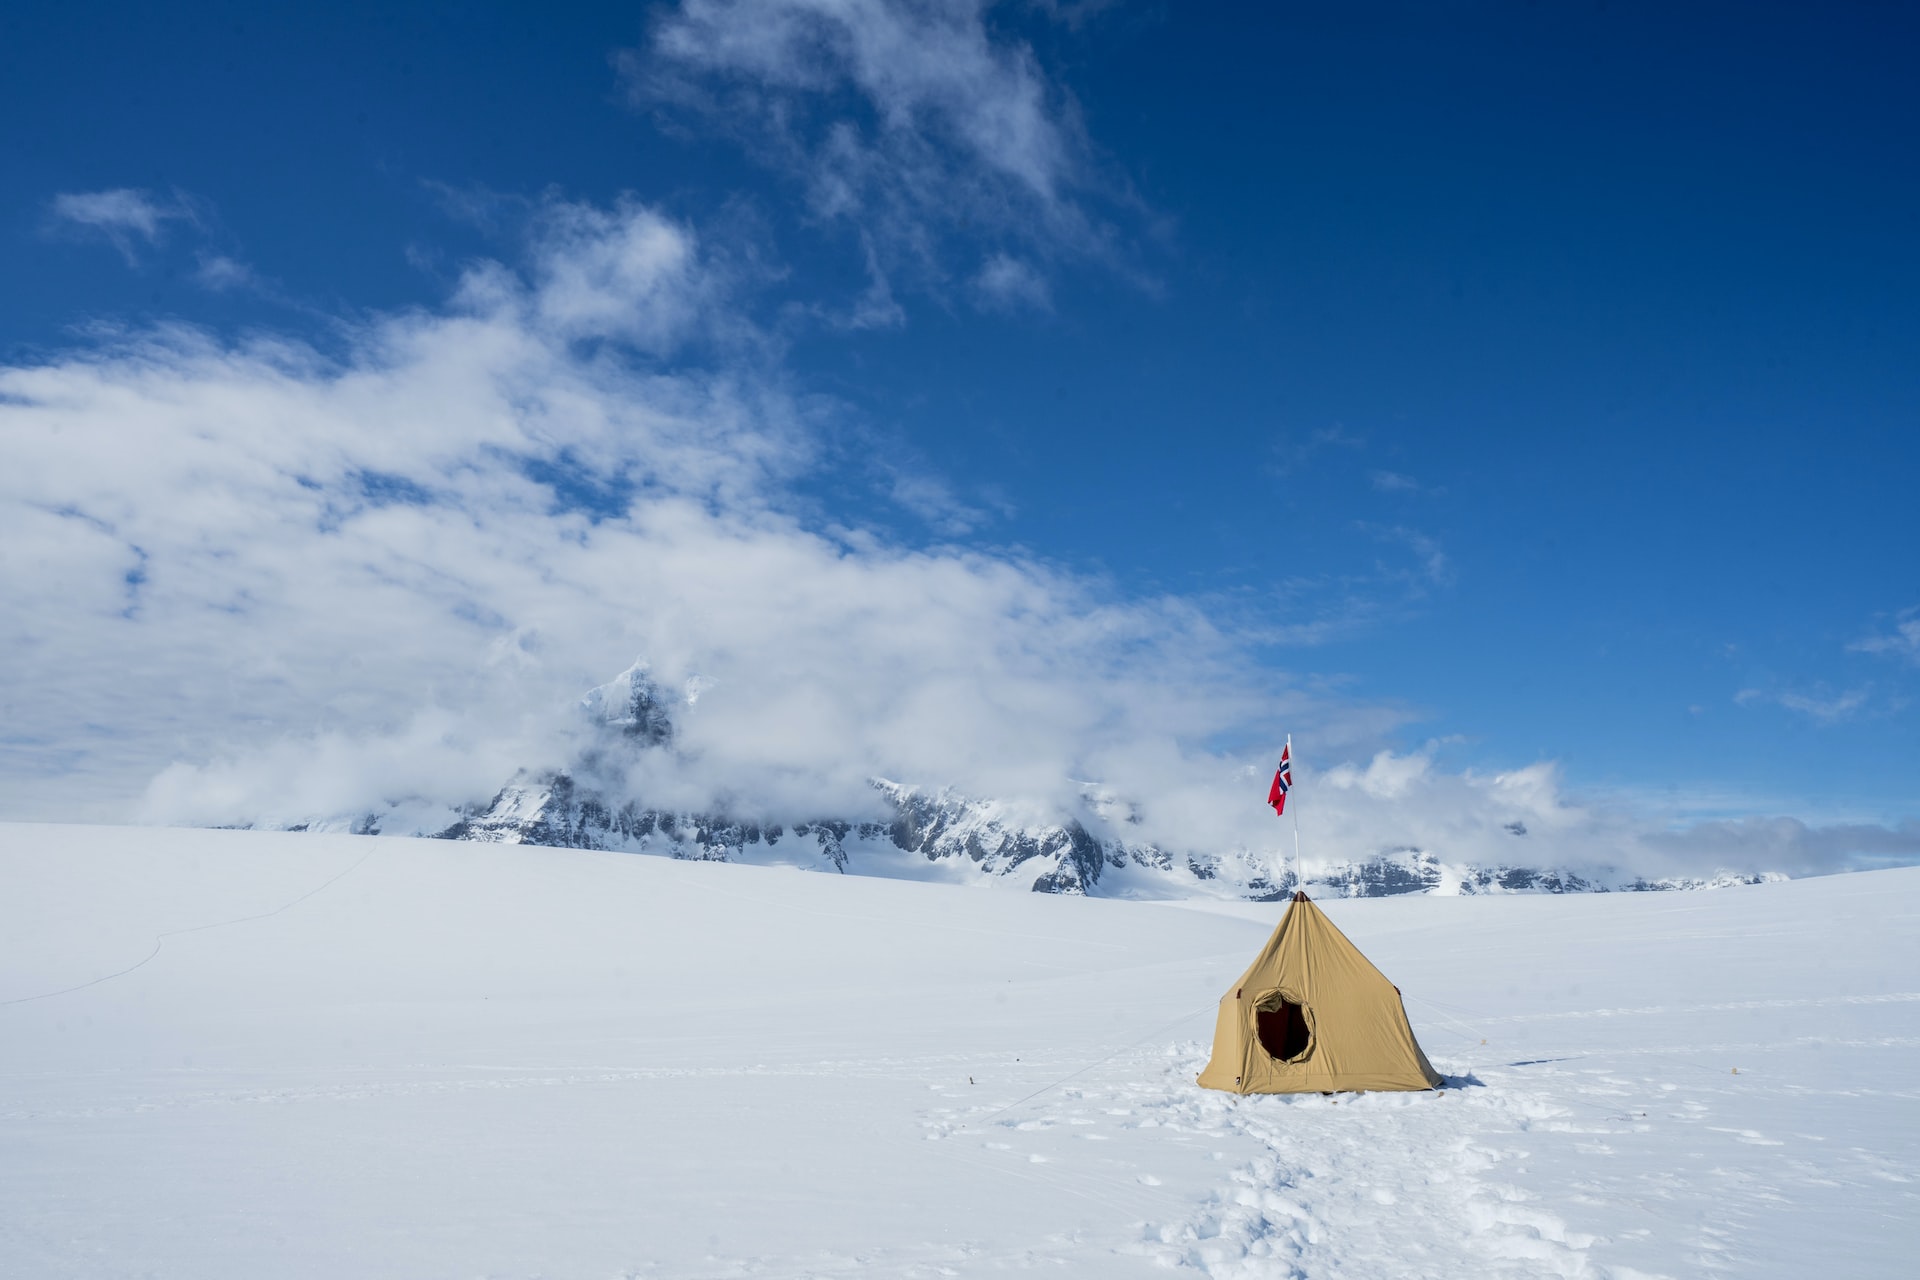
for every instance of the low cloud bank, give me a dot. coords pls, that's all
(1525, 817)
(255, 581)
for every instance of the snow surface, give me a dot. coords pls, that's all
(244, 1054)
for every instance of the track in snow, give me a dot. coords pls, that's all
(466, 1061)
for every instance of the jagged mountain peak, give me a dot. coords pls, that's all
(929, 832)
(635, 706)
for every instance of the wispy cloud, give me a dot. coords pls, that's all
(1073, 13)
(1006, 283)
(125, 217)
(933, 500)
(1400, 482)
(1432, 561)
(1336, 436)
(1291, 450)
(1902, 641)
(140, 225)
(222, 274)
(1394, 482)
(1821, 705)
(913, 123)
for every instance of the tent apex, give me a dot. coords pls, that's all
(1300, 895)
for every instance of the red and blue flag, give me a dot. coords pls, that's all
(1282, 781)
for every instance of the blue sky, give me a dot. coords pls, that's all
(1537, 381)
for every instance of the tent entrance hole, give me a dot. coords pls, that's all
(1283, 1030)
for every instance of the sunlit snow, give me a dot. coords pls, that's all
(246, 1054)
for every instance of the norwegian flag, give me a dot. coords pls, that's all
(1282, 781)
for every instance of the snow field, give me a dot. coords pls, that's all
(386, 1057)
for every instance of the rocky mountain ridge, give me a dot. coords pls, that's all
(921, 834)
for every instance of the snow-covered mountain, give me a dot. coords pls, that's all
(914, 832)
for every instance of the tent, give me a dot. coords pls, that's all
(1311, 1015)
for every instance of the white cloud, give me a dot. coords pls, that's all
(1434, 566)
(1902, 642)
(1072, 13)
(1822, 706)
(306, 579)
(254, 581)
(1525, 817)
(933, 500)
(1291, 450)
(909, 121)
(222, 274)
(622, 272)
(876, 308)
(1336, 436)
(122, 209)
(1005, 283)
(125, 217)
(1394, 482)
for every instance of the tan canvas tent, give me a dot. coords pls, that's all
(1311, 1015)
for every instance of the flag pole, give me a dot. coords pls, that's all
(1298, 871)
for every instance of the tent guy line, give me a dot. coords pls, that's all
(1894, 997)
(1080, 1071)
(1471, 1033)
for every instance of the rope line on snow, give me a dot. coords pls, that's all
(1613, 1112)
(198, 928)
(1441, 1009)
(1473, 1032)
(1048, 1088)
